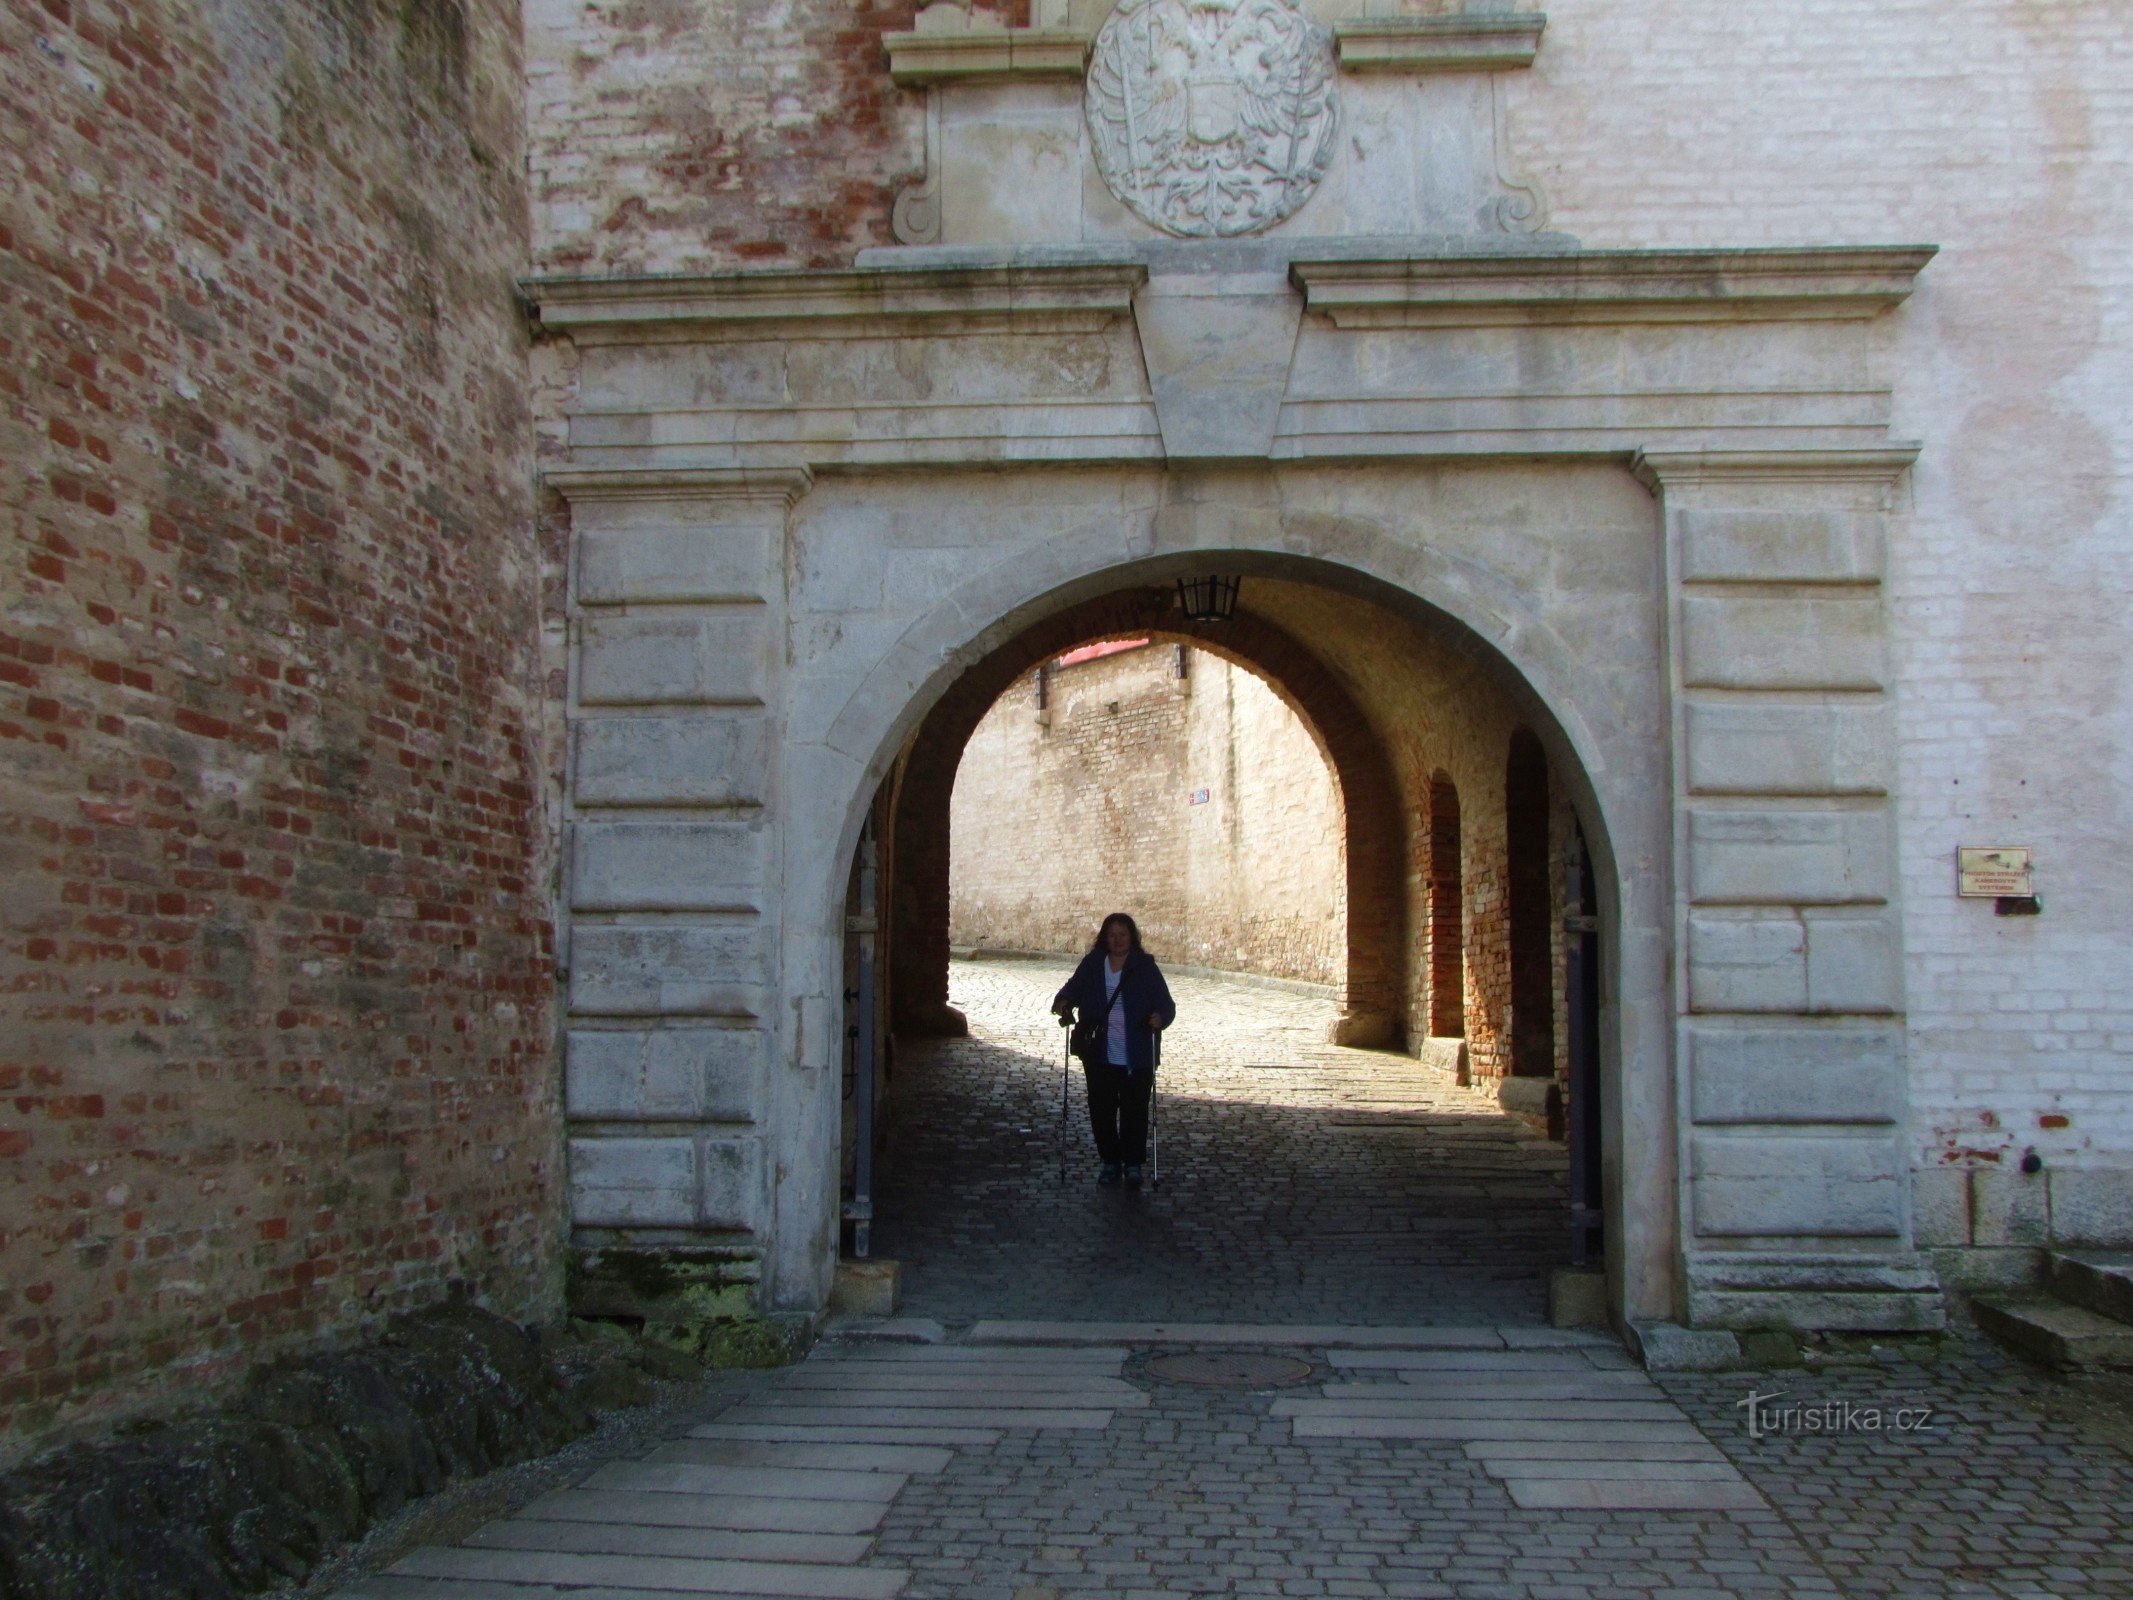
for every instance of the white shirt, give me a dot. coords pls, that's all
(1115, 1038)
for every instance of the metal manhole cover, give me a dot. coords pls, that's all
(1227, 1370)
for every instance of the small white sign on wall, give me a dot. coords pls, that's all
(1991, 872)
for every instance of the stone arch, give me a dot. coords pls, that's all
(1371, 1007)
(874, 692)
(1446, 953)
(1535, 661)
(1528, 889)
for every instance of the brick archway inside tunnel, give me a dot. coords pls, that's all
(1370, 1011)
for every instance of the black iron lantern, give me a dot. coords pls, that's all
(1208, 599)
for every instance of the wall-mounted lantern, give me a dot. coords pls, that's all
(1209, 599)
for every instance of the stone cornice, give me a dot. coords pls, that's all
(975, 50)
(1657, 469)
(581, 485)
(959, 299)
(1477, 42)
(985, 55)
(1844, 283)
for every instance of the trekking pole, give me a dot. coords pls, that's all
(1066, 1064)
(1155, 1127)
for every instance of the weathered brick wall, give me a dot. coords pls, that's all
(1052, 827)
(275, 1021)
(690, 135)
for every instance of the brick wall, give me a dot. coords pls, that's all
(689, 135)
(275, 1028)
(1055, 825)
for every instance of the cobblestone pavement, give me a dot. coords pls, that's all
(1302, 1182)
(1443, 1445)
(2021, 1488)
(1206, 1492)
(971, 1472)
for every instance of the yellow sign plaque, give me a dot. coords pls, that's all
(1993, 872)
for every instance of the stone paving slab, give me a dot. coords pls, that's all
(1088, 1358)
(1490, 1450)
(635, 1539)
(841, 1457)
(392, 1586)
(1510, 1361)
(774, 1414)
(844, 1375)
(1540, 1336)
(1042, 1365)
(748, 1513)
(846, 1329)
(784, 1483)
(775, 1432)
(1569, 1494)
(1592, 1386)
(997, 1395)
(1566, 1411)
(1316, 1335)
(1613, 1470)
(672, 1574)
(1461, 1429)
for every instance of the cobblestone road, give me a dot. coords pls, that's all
(2021, 1489)
(1442, 1446)
(1301, 1182)
(964, 1471)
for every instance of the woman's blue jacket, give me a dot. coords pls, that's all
(1142, 990)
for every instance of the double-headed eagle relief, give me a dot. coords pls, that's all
(1211, 117)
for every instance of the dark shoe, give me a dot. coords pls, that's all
(1107, 1174)
(1133, 1175)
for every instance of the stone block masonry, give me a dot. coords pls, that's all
(276, 1037)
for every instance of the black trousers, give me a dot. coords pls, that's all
(1118, 1111)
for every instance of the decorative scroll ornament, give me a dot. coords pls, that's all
(1211, 117)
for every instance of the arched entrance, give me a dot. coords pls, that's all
(803, 506)
(1403, 719)
(1388, 683)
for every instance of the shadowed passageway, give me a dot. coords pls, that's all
(1302, 1182)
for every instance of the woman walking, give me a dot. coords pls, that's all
(1123, 1003)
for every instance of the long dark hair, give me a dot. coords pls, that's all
(1133, 932)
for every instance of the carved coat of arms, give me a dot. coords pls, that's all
(1211, 117)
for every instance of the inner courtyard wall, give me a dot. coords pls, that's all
(1195, 800)
(276, 1032)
